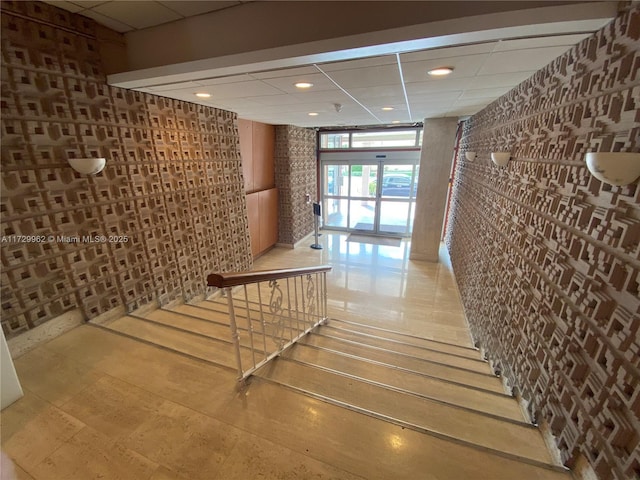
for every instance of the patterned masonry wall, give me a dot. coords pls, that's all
(547, 258)
(296, 176)
(173, 181)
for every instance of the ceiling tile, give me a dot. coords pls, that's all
(553, 41)
(188, 8)
(175, 86)
(485, 93)
(467, 66)
(441, 85)
(360, 63)
(243, 90)
(500, 79)
(449, 52)
(69, 6)
(286, 84)
(138, 14)
(107, 21)
(521, 60)
(367, 76)
(89, 3)
(286, 72)
(245, 77)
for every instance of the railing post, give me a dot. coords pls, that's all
(325, 310)
(235, 338)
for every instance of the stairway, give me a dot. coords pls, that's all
(444, 391)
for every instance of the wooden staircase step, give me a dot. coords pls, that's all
(471, 428)
(434, 369)
(497, 404)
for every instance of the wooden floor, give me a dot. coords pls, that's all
(101, 405)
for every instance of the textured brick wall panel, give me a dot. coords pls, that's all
(546, 256)
(295, 172)
(172, 180)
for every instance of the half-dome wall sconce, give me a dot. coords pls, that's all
(614, 168)
(469, 155)
(500, 158)
(87, 166)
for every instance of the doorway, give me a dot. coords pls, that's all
(370, 192)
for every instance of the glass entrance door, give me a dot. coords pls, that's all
(376, 197)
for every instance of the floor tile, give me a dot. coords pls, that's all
(52, 376)
(89, 455)
(185, 441)
(113, 407)
(256, 458)
(33, 429)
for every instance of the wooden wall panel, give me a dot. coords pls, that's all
(245, 131)
(268, 218)
(263, 156)
(253, 214)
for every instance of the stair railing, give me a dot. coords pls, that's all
(275, 308)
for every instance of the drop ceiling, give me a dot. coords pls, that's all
(352, 92)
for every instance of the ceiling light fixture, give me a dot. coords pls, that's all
(440, 71)
(203, 95)
(387, 109)
(396, 121)
(313, 114)
(303, 85)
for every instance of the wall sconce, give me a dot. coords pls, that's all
(500, 158)
(87, 166)
(615, 168)
(470, 155)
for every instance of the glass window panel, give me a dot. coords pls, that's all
(335, 212)
(336, 180)
(397, 181)
(334, 140)
(362, 214)
(393, 217)
(363, 180)
(390, 138)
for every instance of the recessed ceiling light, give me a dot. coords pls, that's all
(203, 95)
(303, 85)
(396, 121)
(440, 71)
(313, 114)
(387, 109)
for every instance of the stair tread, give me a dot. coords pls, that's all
(476, 379)
(204, 313)
(191, 324)
(406, 338)
(304, 422)
(475, 365)
(439, 389)
(514, 439)
(208, 349)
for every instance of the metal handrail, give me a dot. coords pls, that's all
(296, 304)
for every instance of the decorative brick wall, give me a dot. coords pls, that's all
(173, 182)
(547, 258)
(296, 176)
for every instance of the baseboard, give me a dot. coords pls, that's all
(49, 330)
